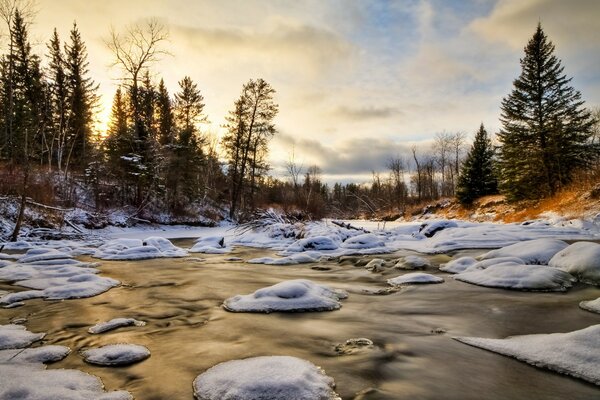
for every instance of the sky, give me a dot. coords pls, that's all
(357, 82)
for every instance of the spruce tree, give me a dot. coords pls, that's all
(545, 128)
(164, 116)
(477, 177)
(59, 95)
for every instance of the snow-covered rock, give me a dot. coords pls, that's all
(271, 377)
(137, 249)
(17, 337)
(363, 241)
(591, 305)
(114, 324)
(511, 275)
(313, 243)
(582, 260)
(288, 296)
(165, 246)
(414, 277)
(458, 265)
(537, 251)
(210, 245)
(431, 228)
(574, 353)
(116, 354)
(43, 354)
(413, 262)
(42, 254)
(375, 265)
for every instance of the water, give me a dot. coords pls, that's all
(188, 331)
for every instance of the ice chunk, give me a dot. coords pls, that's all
(353, 346)
(537, 251)
(574, 353)
(313, 243)
(44, 354)
(364, 241)
(413, 262)
(17, 336)
(288, 296)
(582, 260)
(591, 305)
(33, 382)
(375, 265)
(458, 265)
(271, 377)
(511, 275)
(116, 354)
(114, 324)
(431, 228)
(414, 277)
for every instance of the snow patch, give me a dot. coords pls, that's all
(116, 354)
(582, 260)
(17, 337)
(414, 277)
(591, 305)
(44, 354)
(537, 251)
(114, 324)
(413, 262)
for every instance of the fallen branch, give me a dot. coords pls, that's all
(72, 225)
(33, 203)
(348, 226)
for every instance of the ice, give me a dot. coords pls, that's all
(137, 249)
(114, 324)
(591, 305)
(364, 241)
(353, 346)
(376, 265)
(512, 275)
(116, 354)
(288, 296)
(268, 377)
(210, 245)
(431, 228)
(538, 251)
(458, 265)
(413, 262)
(299, 258)
(414, 277)
(574, 353)
(33, 382)
(43, 254)
(17, 336)
(44, 354)
(582, 260)
(313, 243)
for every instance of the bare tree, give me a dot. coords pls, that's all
(397, 167)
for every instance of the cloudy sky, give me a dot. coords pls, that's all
(357, 81)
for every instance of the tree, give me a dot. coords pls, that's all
(477, 177)
(59, 97)
(250, 126)
(164, 116)
(545, 129)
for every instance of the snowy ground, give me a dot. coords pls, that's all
(535, 256)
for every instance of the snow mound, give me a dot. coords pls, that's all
(114, 324)
(116, 354)
(136, 249)
(298, 295)
(17, 337)
(33, 382)
(262, 378)
(363, 241)
(582, 260)
(44, 354)
(313, 243)
(537, 251)
(42, 254)
(511, 275)
(413, 262)
(210, 245)
(431, 228)
(458, 265)
(591, 305)
(574, 353)
(414, 277)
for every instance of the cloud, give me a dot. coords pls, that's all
(366, 113)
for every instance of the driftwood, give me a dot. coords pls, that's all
(348, 226)
(33, 203)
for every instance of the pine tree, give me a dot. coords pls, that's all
(59, 96)
(164, 116)
(477, 177)
(545, 133)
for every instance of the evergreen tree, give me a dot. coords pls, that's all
(477, 177)
(82, 99)
(545, 129)
(164, 116)
(59, 97)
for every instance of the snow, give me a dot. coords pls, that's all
(298, 295)
(17, 337)
(269, 377)
(414, 277)
(313, 243)
(33, 382)
(458, 265)
(538, 251)
(116, 354)
(44, 354)
(413, 262)
(364, 241)
(353, 346)
(114, 324)
(42, 254)
(210, 245)
(591, 305)
(300, 258)
(512, 275)
(429, 229)
(375, 265)
(137, 249)
(582, 260)
(574, 353)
